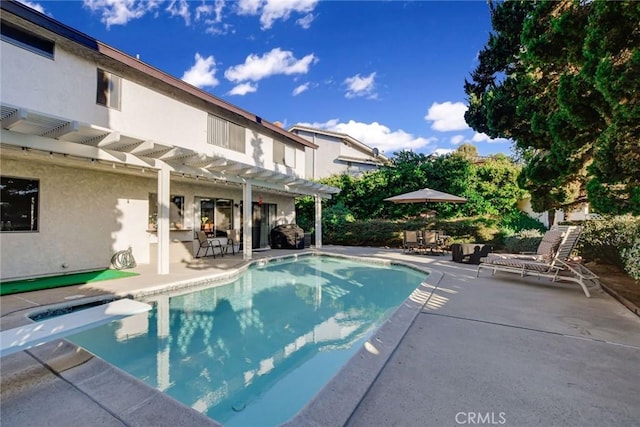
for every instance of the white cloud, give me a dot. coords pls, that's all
(218, 28)
(376, 135)
(483, 137)
(120, 12)
(328, 125)
(36, 6)
(281, 9)
(361, 86)
(180, 8)
(243, 89)
(204, 10)
(214, 25)
(302, 88)
(248, 7)
(458, 139)
(273, 10)
(448, 116)
(305, 21)
(443, 151)
(276, 61)
(202, 73)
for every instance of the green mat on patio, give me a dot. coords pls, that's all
(16, 286)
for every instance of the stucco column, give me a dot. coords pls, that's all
(318, 222)
(247, 240)
(163, 219)
(163, 357)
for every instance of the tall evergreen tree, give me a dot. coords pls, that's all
(561, 79)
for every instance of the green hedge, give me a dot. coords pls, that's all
(613, 240)
(390, 233)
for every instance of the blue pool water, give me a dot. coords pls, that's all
(255, 351)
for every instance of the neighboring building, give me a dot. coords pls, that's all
(336, 153)
(101, 152)
(580, 213)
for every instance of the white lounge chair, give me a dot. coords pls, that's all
(551, 260)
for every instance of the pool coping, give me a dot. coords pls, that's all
(332, 405)
(338, 399)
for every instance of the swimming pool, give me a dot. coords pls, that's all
(255, 351)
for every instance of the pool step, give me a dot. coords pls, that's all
(33, 334)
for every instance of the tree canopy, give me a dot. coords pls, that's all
(489, 185)
(562, 80)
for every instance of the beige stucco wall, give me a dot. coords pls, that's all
(86, 214)
(64, 86)
(145, 113)
(84, 217)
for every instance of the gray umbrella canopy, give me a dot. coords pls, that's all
(426, 195)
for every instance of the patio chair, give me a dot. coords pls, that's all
(411, 241)
(431, 240)
(551, 260)
(206, 244)
(233, 238)
(442, 241)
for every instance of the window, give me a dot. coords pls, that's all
(215, 216)
(26, 40)
(19, 201)
(284, 154)
(109, 87)
(176, 211)
(225, 134)
(236, 137)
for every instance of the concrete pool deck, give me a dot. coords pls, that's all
(496, 349)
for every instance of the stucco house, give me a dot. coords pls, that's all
(101, 152)
(336, 153)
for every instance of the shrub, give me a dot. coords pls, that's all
(380, 232)
(605, 240)
(631, 259)
(517, 220)
(523, 241)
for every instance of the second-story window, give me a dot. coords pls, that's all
(284, 154)
(26, 40)
(225, 134)
(109, 88)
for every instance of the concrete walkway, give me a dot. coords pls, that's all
(491, 350)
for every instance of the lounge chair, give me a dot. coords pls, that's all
(206, 244)
(551, 260)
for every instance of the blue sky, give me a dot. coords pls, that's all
(388, 73)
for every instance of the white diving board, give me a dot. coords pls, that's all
(34, 334)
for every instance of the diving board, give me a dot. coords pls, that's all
(33, 334)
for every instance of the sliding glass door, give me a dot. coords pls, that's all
(263, 220)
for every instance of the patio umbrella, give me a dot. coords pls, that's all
(424, 196)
